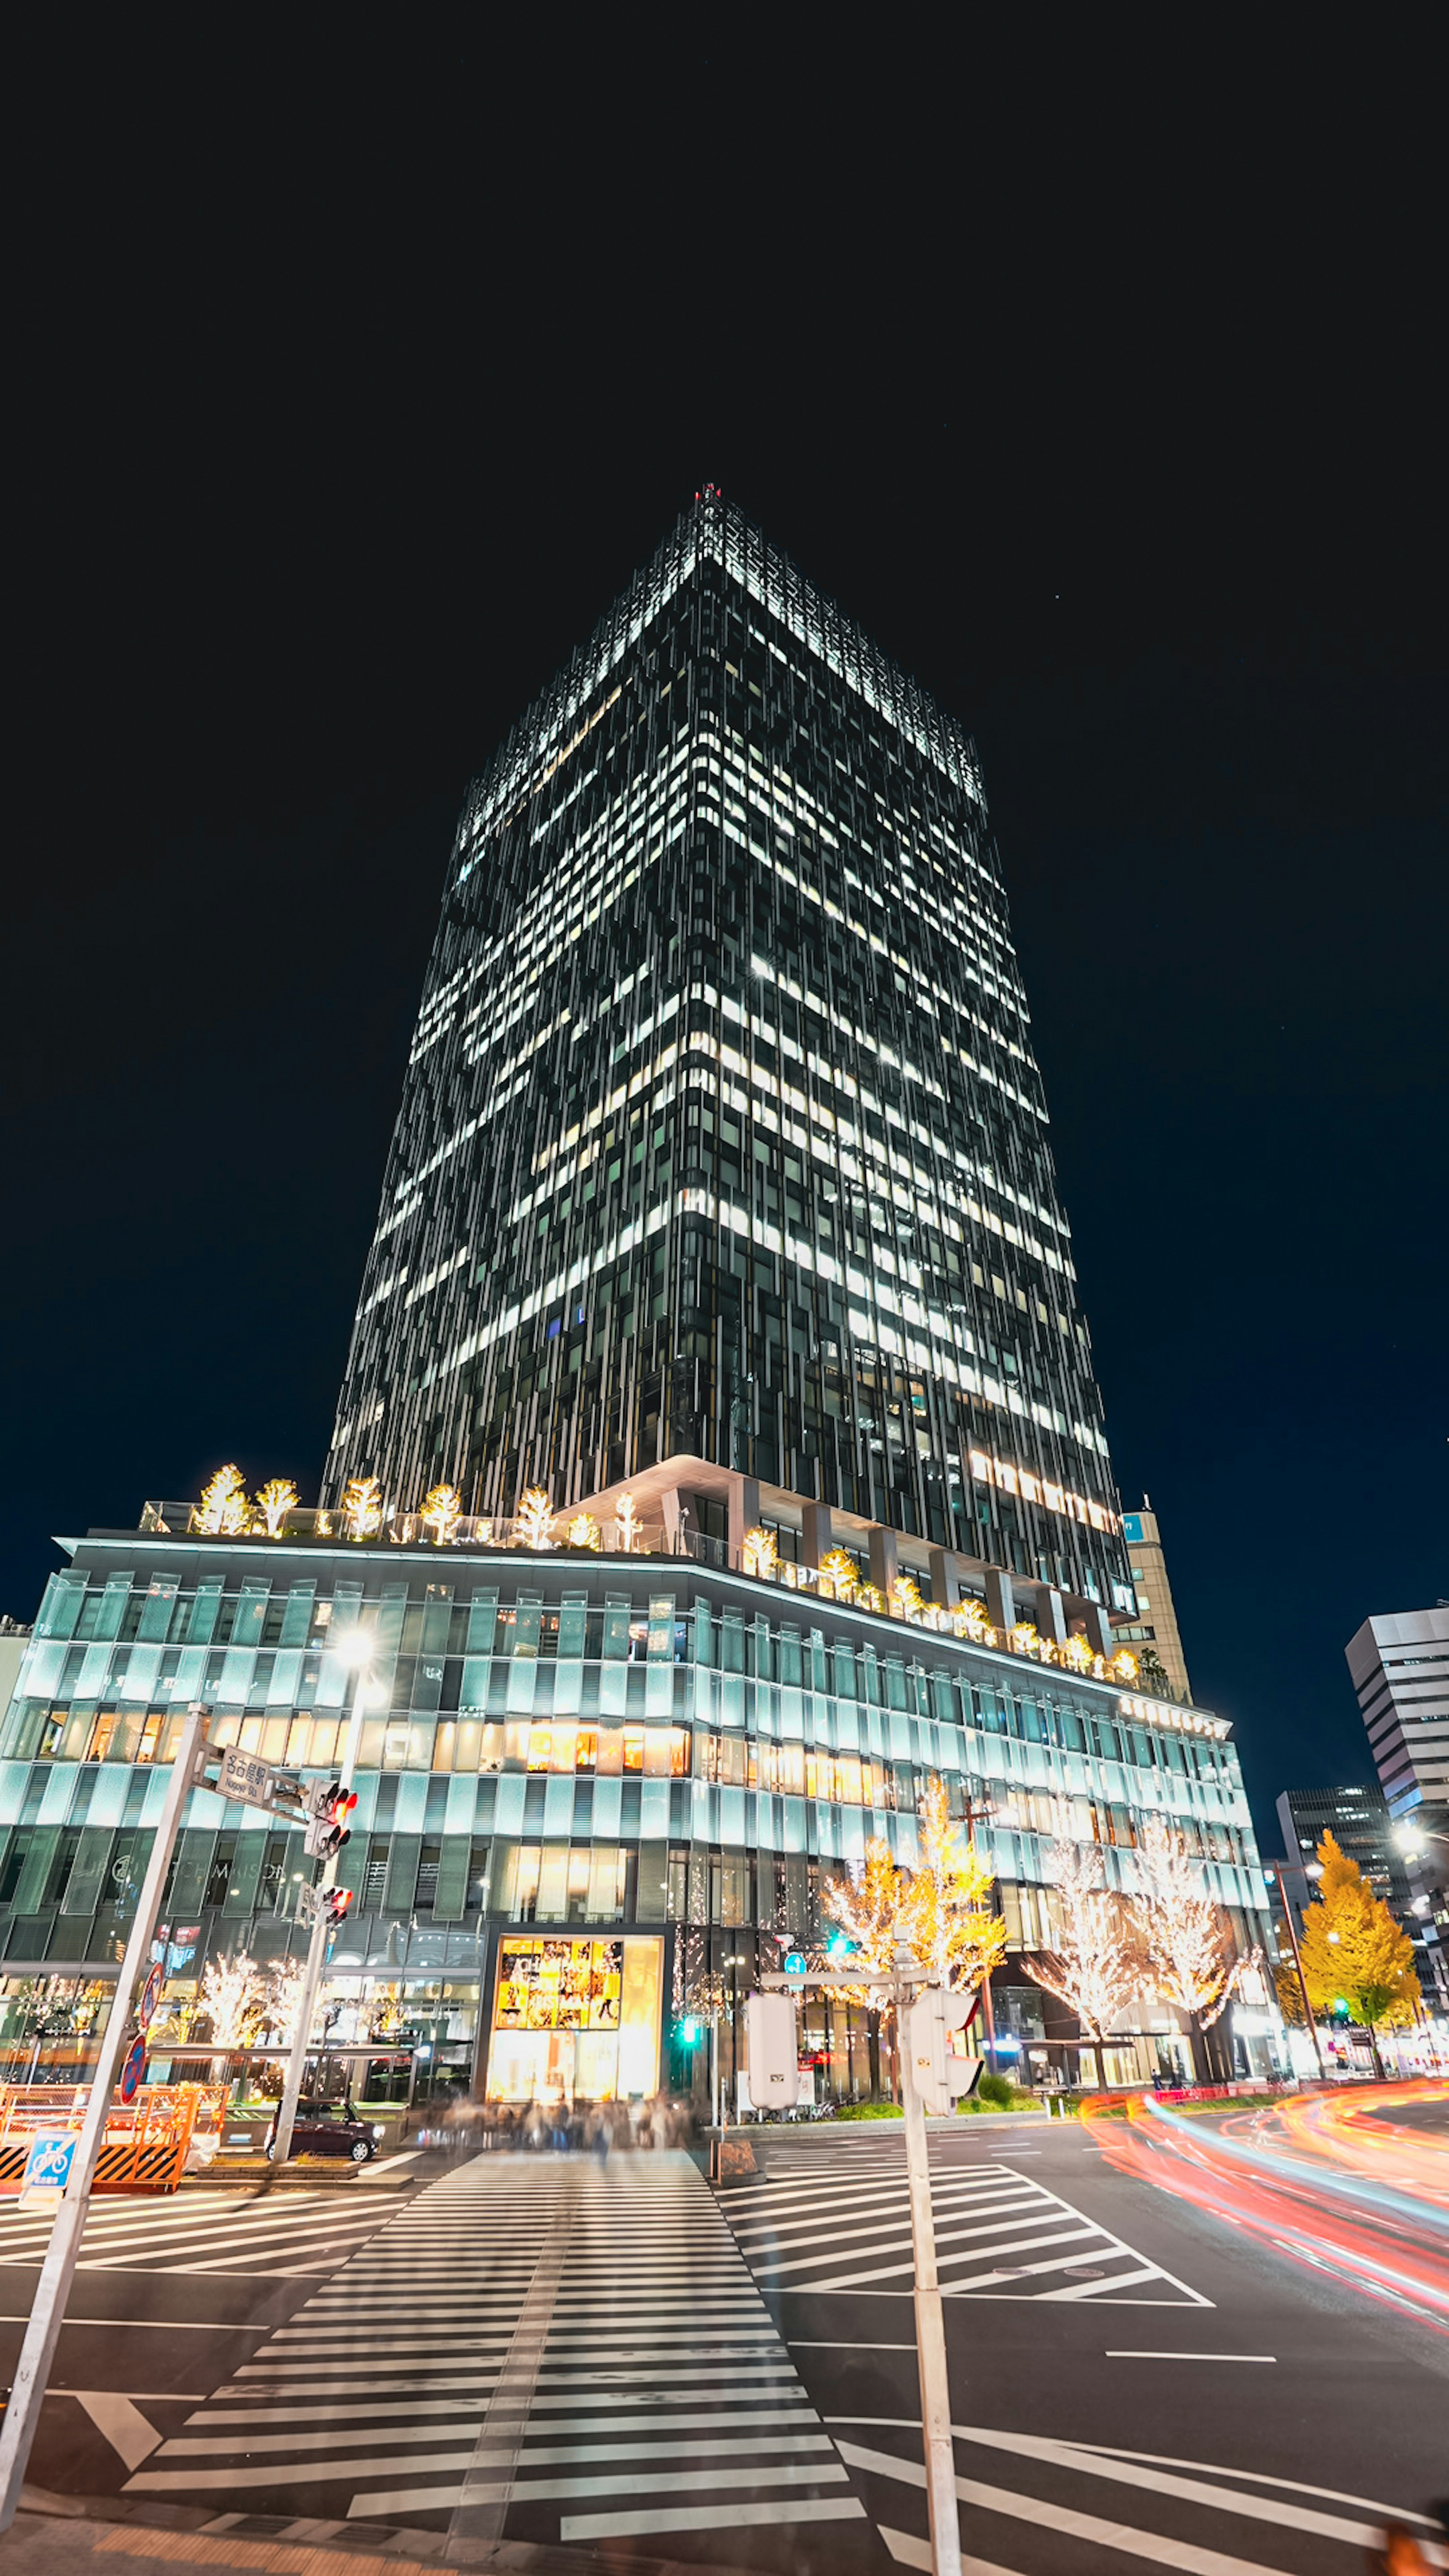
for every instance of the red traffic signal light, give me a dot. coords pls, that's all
(327, 1812)
(335, 1902)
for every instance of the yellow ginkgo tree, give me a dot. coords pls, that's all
(949, 1917)
(1356, 1958)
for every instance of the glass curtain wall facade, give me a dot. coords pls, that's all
(722, 1135)
(585, 1784)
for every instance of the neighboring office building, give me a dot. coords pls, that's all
(586, 1781)
(1360, 1824)
(1399, 1665)
(1155, 1625)
(722, 1144)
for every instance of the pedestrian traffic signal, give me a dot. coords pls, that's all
(334, 1902)
(328, 1808)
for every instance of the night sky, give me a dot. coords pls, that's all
(1094, 373)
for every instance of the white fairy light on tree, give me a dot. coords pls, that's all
(1186, 1937)
(1094, 1970)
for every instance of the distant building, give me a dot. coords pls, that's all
(1154, 1630)
(1399, 1664)
(1361, 1825)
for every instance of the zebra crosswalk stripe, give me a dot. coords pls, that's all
(650, 2393)
(999, 2234)
(210, 2232)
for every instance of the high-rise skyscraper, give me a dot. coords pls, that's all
(721, 1206)
(723, 1168)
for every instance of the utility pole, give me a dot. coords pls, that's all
(321, 1927)
(47, 2314)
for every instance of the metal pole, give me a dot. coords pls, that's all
(47, 2314)
(316, 1959)
(1278, 1868)
(940, 2452)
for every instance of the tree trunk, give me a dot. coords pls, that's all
(1373, 2040)
(873, 2045)
(1101, 2064)
(1197, 2042)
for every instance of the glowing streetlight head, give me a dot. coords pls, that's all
(355, 1648)
(1408, 1841)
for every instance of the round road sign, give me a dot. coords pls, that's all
(133, 2070)
(150, 1996)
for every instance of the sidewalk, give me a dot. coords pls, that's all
(59, 2538)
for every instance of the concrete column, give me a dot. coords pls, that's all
(1051, 1615)
(1000, 1598)
(744, 1512)
(884, 1558)
(945, 1578)
(670, 1509)
(816, 1538)
(1099, 1630)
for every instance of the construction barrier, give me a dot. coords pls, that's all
(147, 2141)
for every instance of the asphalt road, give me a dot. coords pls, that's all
(535, 2349)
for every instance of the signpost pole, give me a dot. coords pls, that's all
(52, 2290)
(316, 1957)
(940, 2451)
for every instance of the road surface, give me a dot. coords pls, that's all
(540, 2349)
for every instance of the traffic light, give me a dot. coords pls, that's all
(941, 2075)
(328, 1808)
(334, 1903)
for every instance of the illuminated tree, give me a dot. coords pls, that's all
(1077, 1655)
(1123, 1667)
(1355, 1956)
(838, 1568)
(284, 1998)
(868, 1910)
(628, 1525)
(906, 1599)
(442, 1510)
(362, 1506)
(948, 1917)
(870, 1597)
(1095, 1968)
(1023, 1638)
(232, 1999)
(324, 1524)
(222, 1510)
(274, 1503)
(760, 1552)
(1187, 1941)
(584, 1531)
(535, 1518)
(971, 1622)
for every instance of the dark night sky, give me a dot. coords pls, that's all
(355, 372)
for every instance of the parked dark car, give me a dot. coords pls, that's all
(329, 2129)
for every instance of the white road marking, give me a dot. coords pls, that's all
(123, 2424)
(1112, 2354)
(1079, 2526)
(606, 2526)
(1253, 2508)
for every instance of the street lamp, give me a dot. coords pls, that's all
(1276, 1869)
(734, 1963)
(354, 1649)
